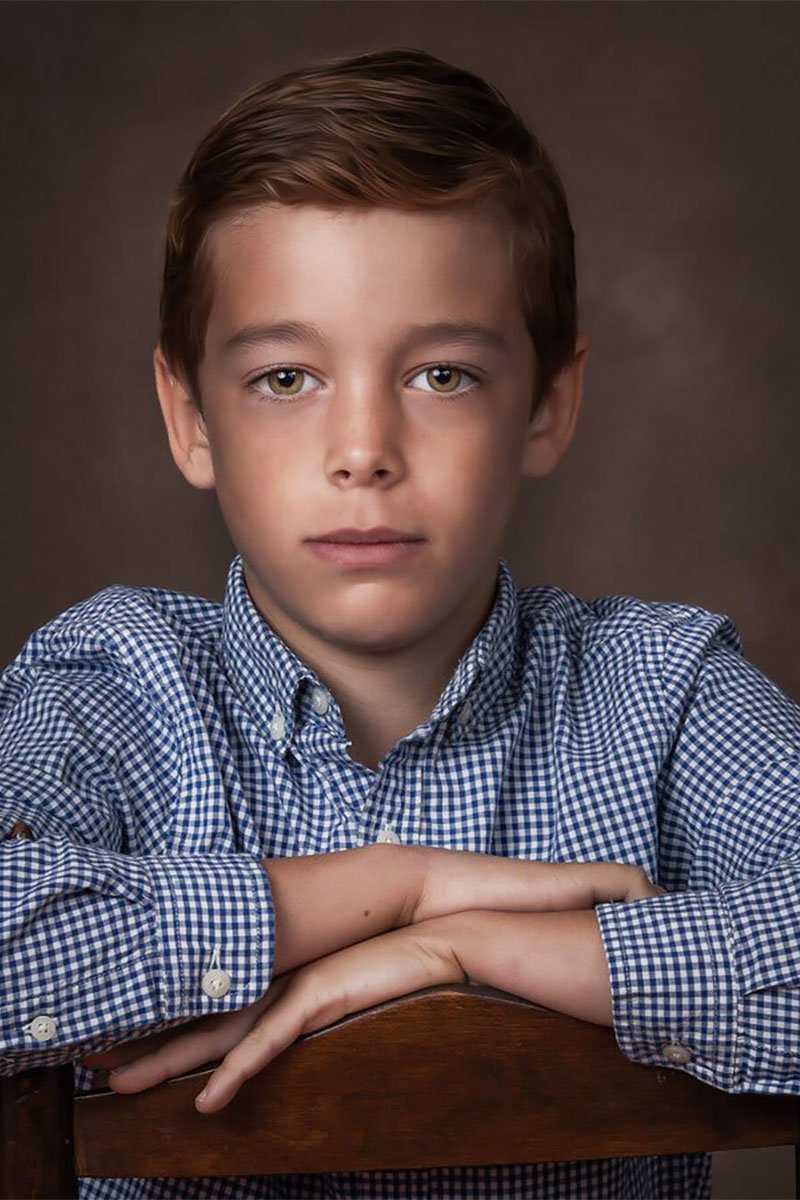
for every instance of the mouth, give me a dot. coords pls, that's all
(379, 535)
(380, 547)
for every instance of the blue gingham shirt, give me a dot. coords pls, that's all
(139, 740)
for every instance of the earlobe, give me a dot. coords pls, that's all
(186, 429)
(551, 428)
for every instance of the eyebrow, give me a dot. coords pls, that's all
(466, 333)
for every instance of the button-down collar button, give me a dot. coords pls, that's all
(674, 1052)
(320, 701)
(43, 1028)
(465, 712)
(388, 835)
(216, 983)
(277, 726)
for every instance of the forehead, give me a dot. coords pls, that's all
(364, 269)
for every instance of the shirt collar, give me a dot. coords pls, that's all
(269, 674)
(482, 675)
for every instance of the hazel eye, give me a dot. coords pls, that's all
(279, 383)
(447, 375)
(284, 383)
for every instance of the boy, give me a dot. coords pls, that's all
(368, 336)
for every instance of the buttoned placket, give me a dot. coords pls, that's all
(320, 744)
(391, 822)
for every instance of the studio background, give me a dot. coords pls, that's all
(674, 128)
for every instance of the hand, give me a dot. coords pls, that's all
(301, 1001)
(555, 959)
(461, 880)
(200, 1032)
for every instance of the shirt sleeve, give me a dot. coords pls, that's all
(706, 978)
(100, 943)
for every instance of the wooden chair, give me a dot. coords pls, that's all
(448, 1076)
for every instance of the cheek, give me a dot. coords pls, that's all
(480, 467)
(242, 444)
(252, 474)
(471, 495)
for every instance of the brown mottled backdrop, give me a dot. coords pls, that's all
(674, 126)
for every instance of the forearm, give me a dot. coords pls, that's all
(324, 902)
(138, 926)
(555, 959)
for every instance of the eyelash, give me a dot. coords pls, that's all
(275, 397)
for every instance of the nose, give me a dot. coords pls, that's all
(364, 439)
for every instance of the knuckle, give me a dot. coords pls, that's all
(246, 1069)
(155, 1068)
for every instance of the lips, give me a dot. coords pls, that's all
(379, 534)
(379, 549)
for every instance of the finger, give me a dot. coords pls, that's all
(276, 1029)
(125, 1052)
(208, 1038)
(181, 1054)
(347, 981)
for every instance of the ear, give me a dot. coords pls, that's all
(551, 428)
(186, 428)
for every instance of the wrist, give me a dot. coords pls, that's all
(409, 866)
(555, 959)
(324, 902)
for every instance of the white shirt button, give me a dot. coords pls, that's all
(320, 701)
(277, 726)
(465, 712)
(674, 1052)
(43, 1028)
(388, 835)
(216, 983)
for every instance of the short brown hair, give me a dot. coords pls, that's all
(392, 127)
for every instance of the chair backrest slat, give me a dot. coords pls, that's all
(450, 1076)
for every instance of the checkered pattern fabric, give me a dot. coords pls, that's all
(159, 745)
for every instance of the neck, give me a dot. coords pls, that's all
(385, 695)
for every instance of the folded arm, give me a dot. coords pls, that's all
(713, 968)
(554, 958)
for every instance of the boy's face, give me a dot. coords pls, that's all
(359, 429)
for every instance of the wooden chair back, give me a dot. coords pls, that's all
(449, 1076)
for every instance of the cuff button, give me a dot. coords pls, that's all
(674, 1052)
(43, 1028)
(216, 983)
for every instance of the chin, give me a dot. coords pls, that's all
(376, 634)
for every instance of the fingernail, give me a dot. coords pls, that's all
(201, 1097)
